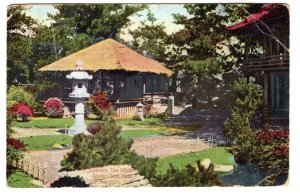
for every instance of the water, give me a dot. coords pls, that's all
(248, 175)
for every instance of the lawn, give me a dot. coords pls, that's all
(65, 123)
(45, 142)
(19, 179)
(218, 155)
(139, 133)
(49, 123)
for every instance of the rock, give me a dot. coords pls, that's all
(223, 168)
(37, 182)
(205, 163)
(57, 146)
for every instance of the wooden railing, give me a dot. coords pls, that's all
(125, 108)
(278, 62)
(33, 167)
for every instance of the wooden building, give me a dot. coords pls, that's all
(127, 76)
(267, 54)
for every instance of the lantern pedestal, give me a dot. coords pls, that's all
(79, 126)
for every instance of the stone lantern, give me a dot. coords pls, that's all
(140, 111)
(79, 94)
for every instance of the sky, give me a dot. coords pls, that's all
(163, 13)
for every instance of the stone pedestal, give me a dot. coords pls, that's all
(79, 126)
(170, 109)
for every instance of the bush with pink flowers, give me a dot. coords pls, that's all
(53, 108)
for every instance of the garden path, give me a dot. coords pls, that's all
(163, 146)
(52, 158)
(213, 123)
(27, 132)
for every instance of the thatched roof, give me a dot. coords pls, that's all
(108, 55)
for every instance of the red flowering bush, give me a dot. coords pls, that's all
(101, 106)
(17, 144)
(53, 107)
(14, 109)
(24, 112)
(14, 152)
(272, 152)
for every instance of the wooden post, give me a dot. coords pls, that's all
(266, 98)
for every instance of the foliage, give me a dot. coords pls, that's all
(101, 106)
(24, 112)
(10, 121)
(19, 26)
(14, 152)
(272, 153)
(20, 179)
(102, 148)
(188, 176)
(218, 155)
(238, 128)
(92, 19)
(53, 108)
(45, 142)
(18, 94)
(13, 109)
(67, 181)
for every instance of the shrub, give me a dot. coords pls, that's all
(189, 176)
(24, 112)
(14, 109)
(272, 151)
(101, 106)
(238, 128)
(14, 152)
(53, 108)
(18, 94)
(68, 181)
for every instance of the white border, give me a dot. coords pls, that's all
(294, 181)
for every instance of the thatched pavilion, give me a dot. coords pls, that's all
(126, 75)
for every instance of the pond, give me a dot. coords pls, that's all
(248, 175)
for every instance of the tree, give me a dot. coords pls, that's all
(20, 29)
(98, 21)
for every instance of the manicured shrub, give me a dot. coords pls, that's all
(24, 112)
(14, 109)
(68, 181)
(20, 95)
(53, 108)
(101, 106)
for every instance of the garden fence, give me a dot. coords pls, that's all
(33, 167)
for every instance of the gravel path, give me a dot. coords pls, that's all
(27, 132)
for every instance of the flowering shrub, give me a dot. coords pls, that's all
(14, 152)
(272, 152)
(100, 99)
(53, 107)
(14, 109)
(101, 106)
(24, 112)
(17, 144)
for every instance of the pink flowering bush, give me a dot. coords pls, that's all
(24, 112)
(53, 108)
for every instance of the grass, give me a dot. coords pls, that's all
(19, 179)
(48, 123)
(218, 155)
(141, 133)
(65, 123)
(147, 121)
(45, 142)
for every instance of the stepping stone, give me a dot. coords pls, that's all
(223, 168)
